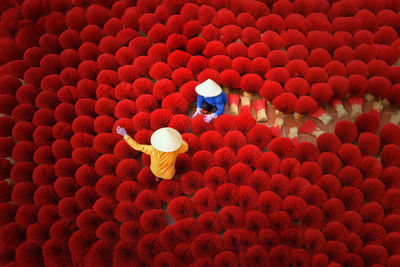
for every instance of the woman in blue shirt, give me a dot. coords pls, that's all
(211, 99)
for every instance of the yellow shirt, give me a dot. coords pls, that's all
(162, 163)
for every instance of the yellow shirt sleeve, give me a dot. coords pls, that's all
(147, 149)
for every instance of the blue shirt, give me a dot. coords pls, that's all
(218, 101)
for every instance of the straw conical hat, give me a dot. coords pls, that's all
(208, 88)
(166, 139)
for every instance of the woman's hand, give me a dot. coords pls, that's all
(197, 113)
(210, 117)
(121, 131)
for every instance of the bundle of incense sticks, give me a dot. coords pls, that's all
(246, 101)
(368, 97)
(298, 116)
(395, 118)
(321, 115)
(356, 103)
(379, 104)
(310, 128)
(294, 135)
(260, 108)
(338, 105)
(234, 101)
(279, 113)
(277, 126)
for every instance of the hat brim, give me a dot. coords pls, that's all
(159, 141)
(208, 89)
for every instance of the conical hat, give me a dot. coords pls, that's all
(166, 139)
(208, 88)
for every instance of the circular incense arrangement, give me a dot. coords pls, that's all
(300, 169)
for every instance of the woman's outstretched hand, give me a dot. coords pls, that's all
(121, 131)
(210, 117)
(197, 113)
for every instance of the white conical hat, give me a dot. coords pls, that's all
(166, 139)
(208, 88)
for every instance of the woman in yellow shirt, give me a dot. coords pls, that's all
(166, 145)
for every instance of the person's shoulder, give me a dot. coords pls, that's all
(184, 147)
(222, 96)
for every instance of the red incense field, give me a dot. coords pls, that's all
(302, 169)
